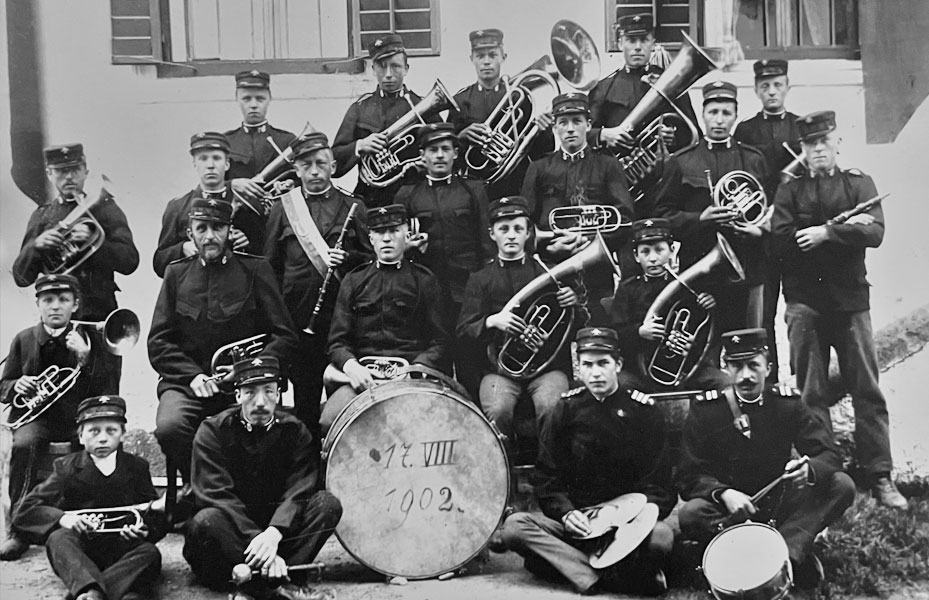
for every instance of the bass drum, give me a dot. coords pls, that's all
(749, 561)
(422, 476)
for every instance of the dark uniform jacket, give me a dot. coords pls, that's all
(767, 133)
(117, 254)
(258, 477)
(633, 298)
(389, 310)
(299, 280)
(715, 456)
(203, 306)
(486, 294)
(251, 151)
(614, 97)
(32, 351)
(476, 103)
(453, 212)
(174, 227)
(76, 483)
(372, 113)
(832, 276)
(684, 193)
(592, 451)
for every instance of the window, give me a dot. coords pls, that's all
(213, 37)
(670, 17)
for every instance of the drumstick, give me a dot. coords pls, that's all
(764, 491)
(242, 573)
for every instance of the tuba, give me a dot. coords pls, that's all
(548, 325)
(401, 154)
(742, 192)
(690, 64)
(512, 122)
(683, 316)
(72, 253)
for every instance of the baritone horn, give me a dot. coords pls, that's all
(401, 154)
(112, 520)
(741, 192)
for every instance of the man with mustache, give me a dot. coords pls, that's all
(208, 300)
(737, 440)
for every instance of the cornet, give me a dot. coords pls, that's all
(112, 520)
(226, 356)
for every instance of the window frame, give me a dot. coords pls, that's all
(435, 48)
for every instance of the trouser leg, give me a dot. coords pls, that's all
(338, 400)
(28, 441)
(545, 390)
(809, 358)
(212, 546)
(772, 293)
(806, 511)
(68, 557)
(177, 419)
(306, 374)
(321, 514)
(499, 396)
(136, 566)
(700, 519)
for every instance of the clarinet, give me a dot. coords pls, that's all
(325, 286)
(856, 210)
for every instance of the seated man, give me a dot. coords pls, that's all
(101, 566)
(597, 444)
(737, 441)
(254, 484)
(387, 307)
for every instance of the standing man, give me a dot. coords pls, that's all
(303, 229)
(44, 243)
(255, 483)
(826, 289)
(738, 440)
(768, 131)
(686, 200)
(361, 130)
(477, 101)
(576, 176)
(208, 300)
(597, 444)
(210, 153)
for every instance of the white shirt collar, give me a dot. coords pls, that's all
(105, 465)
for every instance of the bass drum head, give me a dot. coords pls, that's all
(743, 558)
(421, 475)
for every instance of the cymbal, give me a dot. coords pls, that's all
(611, 514)
(627, 538)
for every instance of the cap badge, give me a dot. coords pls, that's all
(736, 339)
(378, 43)
(595, 332)
(254, 73)
(212, 202)
(65, 150)
(649, 223)
(479, 33)
(103, 399)
(201, 135)
(257, 362)
(382, 211)
(718, 84)
(636, 19)
(504, 200)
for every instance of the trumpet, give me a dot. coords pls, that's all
(741, 192)
(72, 253)
(226, 356)
(112, 520)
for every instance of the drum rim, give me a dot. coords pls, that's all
(714, 587)
(441, 390)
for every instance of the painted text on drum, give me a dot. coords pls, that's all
(426, 499)
(436, 453)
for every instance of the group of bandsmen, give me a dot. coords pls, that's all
(423, 271)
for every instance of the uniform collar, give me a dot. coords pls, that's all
(44, 334)
(223, 260)
(579, 155)
(495, 88)
(62, 200)
(317, 195)
(257, 128)
(399, 93)
(511, 262)
(218, 194)
(718, 144)
(250, 427)
(439, 181)
(389, 266)
(778, 116)
(759, 401)
(830, 173)
(605, 398)
(636, 70)
(663, 277)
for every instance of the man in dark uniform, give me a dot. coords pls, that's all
(597, 444)
(255, 482)
(210, 152)
(738, 440)
(301, 266)
(768, 131)
(686, 200)
(361, 130)
(577, 176)
(826, 289)
(43, 242)
(388, 307)
(477, 101)
(208, 300)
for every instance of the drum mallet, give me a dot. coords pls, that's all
(242, 573)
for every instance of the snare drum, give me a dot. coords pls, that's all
(422, 477)
(749, 561)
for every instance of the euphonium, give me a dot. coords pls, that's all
(51, 384)
(401, 154)
(72, 253)
(548, 325)
(226, 356)
(742, 192)
(113, 519)
(683, 316)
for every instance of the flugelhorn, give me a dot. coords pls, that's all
(226, 356)
(113, 519)
(120, 330)
(73, 252)
(742, 192)
(401, 154)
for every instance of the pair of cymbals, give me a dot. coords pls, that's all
(628, 519)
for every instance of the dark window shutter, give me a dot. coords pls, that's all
(136, 31)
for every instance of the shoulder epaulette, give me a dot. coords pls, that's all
(708, 395)
(641, 397)
(573, 392)
(182, 259)
(784, 390)
(364, 97)
(855, 172)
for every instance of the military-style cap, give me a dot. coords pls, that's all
(744, 343)
(211, 140)
(386, 45)
(485, 38)
(57, 283)
(570, 103)
(256, 370)
(509, 207)
(651, 230)
(218, 211)
(640, 24)
(387, 216)
(101, 407)
(310, 143)
(720, 90)
(770, 68)
(816, 124)
(252, 79)
(434, 132)
(599, 339)
(66, 155)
